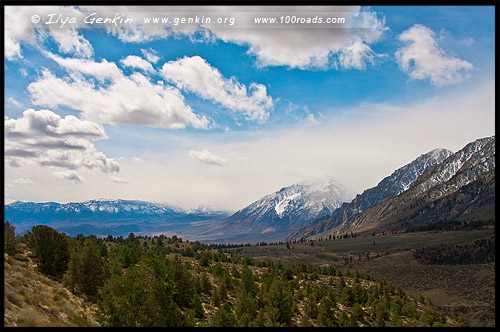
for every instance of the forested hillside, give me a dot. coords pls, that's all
(160, 281)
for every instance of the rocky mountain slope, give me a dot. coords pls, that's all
(461, 187)
(399, 181)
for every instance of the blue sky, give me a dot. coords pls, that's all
(222, 115)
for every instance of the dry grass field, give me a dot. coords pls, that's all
(33, 300)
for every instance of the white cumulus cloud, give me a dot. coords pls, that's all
(69, 175)
(45, 139)
(101, 70)
(345, 47)
(133, 61)
(19, 29)
(207, 157)
(195, 74)
(132, 99)
(422, 58)
(150, 55)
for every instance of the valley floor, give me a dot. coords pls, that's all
(469, 288)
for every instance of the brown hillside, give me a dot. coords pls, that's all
(32, 299)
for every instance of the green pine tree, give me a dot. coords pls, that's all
(51, 250)
(9, 236)
(223, 317)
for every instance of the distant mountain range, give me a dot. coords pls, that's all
(104, 216)
(453, 186)
(437, 186)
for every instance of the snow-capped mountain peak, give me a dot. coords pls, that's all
(287, 209)
(309, 198)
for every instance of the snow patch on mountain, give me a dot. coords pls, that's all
(282, 206)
